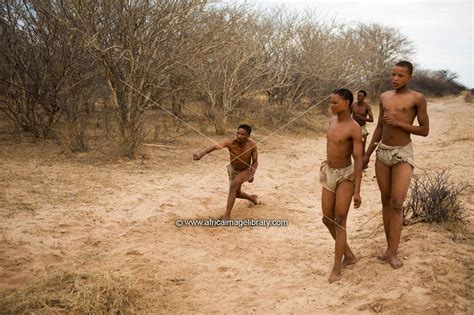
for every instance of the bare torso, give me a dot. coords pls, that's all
(241, 154)
(362, 110)
(339, 142)
(403, 108)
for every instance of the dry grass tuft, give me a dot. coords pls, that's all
(435, 199)
(78, 293)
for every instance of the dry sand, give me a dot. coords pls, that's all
(77, 212)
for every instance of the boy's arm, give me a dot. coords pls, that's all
(368, 117)
(359, 118)
(223, 144)
(422, 116)
(377, 135)
(253, 168)
(369, 113)
(357, 155)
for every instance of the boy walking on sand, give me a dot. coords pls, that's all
(394, 162)
(339, 178)
(362, 113)
(242, 167)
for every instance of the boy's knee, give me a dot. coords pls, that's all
(386, 199)
(397, 205)
(234, 186)
(339, 220)
(326, 221)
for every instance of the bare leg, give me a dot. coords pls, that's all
(344, 193)
(383, 174)
(328, 201)
(349, 259)
(242, 195)
(233, 189)
(230, 202)
(401, 177)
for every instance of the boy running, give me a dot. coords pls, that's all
(242, 166)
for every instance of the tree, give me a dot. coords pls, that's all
(378, 48)
(234, 69)
(43, 66)
(138, 45)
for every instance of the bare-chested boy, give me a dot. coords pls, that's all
(394, 163)
(362, 113)
(339, 178)
(242, 167)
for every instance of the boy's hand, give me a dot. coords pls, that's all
(251, 175)
(358, 118)
(197, 156)
(365, 160)
(357, 201)
(390, 120)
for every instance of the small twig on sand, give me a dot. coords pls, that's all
(432, 273)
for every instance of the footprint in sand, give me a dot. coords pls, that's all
(223, 268)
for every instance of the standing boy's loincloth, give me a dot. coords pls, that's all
(331, 177)
(391, 155)
(364, 130)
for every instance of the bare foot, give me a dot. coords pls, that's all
(383, 256)
(394, 262)
(349, 261)
(335, 276)
(253, 199)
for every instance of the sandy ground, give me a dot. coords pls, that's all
(77, 212)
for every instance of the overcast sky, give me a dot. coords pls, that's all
(441, 31)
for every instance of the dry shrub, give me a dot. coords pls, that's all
(301, 121)
(78, 293)
(435, 199)
(131, 139)
(276, 116)
(128, 136)
(72, 135)
(436, 83)
(296, 118)
(469, 96)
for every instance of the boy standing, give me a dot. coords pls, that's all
(242, 166)
(339, 178)
(362, 113)
(394, 162)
